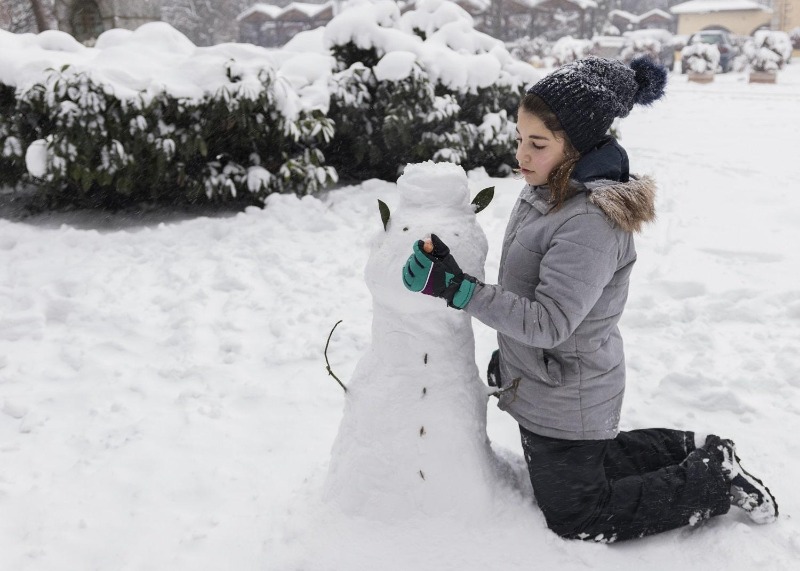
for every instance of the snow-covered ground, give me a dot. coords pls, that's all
(164, 402)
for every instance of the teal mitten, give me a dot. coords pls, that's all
(437, 274)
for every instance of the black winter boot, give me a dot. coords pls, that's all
(747, 491)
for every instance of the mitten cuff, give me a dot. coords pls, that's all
(464, 292)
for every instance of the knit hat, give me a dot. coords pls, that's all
(589, 93)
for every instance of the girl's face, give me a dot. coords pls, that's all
(539, 150)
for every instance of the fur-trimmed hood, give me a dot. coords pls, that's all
(627, 200)
(628, 204)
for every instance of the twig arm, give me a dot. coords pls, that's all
(327, 363)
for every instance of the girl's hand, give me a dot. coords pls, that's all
(432, 270)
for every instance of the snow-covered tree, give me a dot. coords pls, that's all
(42, 12)
(20, 16)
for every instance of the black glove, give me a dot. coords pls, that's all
(437, 274)
(493, 372)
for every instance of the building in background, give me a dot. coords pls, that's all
(87, 19)
(786, 15)
(626, 21)
(656, 19)
(271, 25)
(622, 20)
(741, 17)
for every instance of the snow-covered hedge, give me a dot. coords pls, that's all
(94, 150)
(418, 86)
(146, 116)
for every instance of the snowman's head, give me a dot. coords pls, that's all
(434, 199)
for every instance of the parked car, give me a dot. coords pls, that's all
(654, 42)
(720, 38)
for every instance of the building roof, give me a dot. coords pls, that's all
(263, 11)
(517, 6)
(473, 7)
(656, 13)
(304, 11)
(634, 19)
(580, 4)
(268, 10)
(624, 15)
(707, 6)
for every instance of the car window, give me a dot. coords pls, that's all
(711, 38)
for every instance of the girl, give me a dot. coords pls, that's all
(564, 272)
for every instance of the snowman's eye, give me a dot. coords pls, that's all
(405, 229)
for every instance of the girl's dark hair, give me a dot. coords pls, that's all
(559, 179)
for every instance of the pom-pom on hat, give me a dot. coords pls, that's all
(589, 93)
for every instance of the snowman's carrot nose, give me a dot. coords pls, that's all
(427, 245)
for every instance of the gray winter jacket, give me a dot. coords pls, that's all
(562, 288)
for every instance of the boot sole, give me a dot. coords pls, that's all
(761, 513)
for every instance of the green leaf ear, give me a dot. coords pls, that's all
(385, 214)
(483, 198)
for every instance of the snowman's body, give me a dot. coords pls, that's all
(413, 437)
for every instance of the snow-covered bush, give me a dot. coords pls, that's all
(146, 116)
(609, 29)
(640, 46)
(14, 139)
(769, 51)
(231, 145)
(532, 50)
(568, 49)
(700, 57)
(764, 59)
(387, 116)
(654, 43)
(794, 35)
(399, 98)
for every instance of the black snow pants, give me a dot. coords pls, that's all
(640, 483)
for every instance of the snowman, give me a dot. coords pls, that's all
(412, 441)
